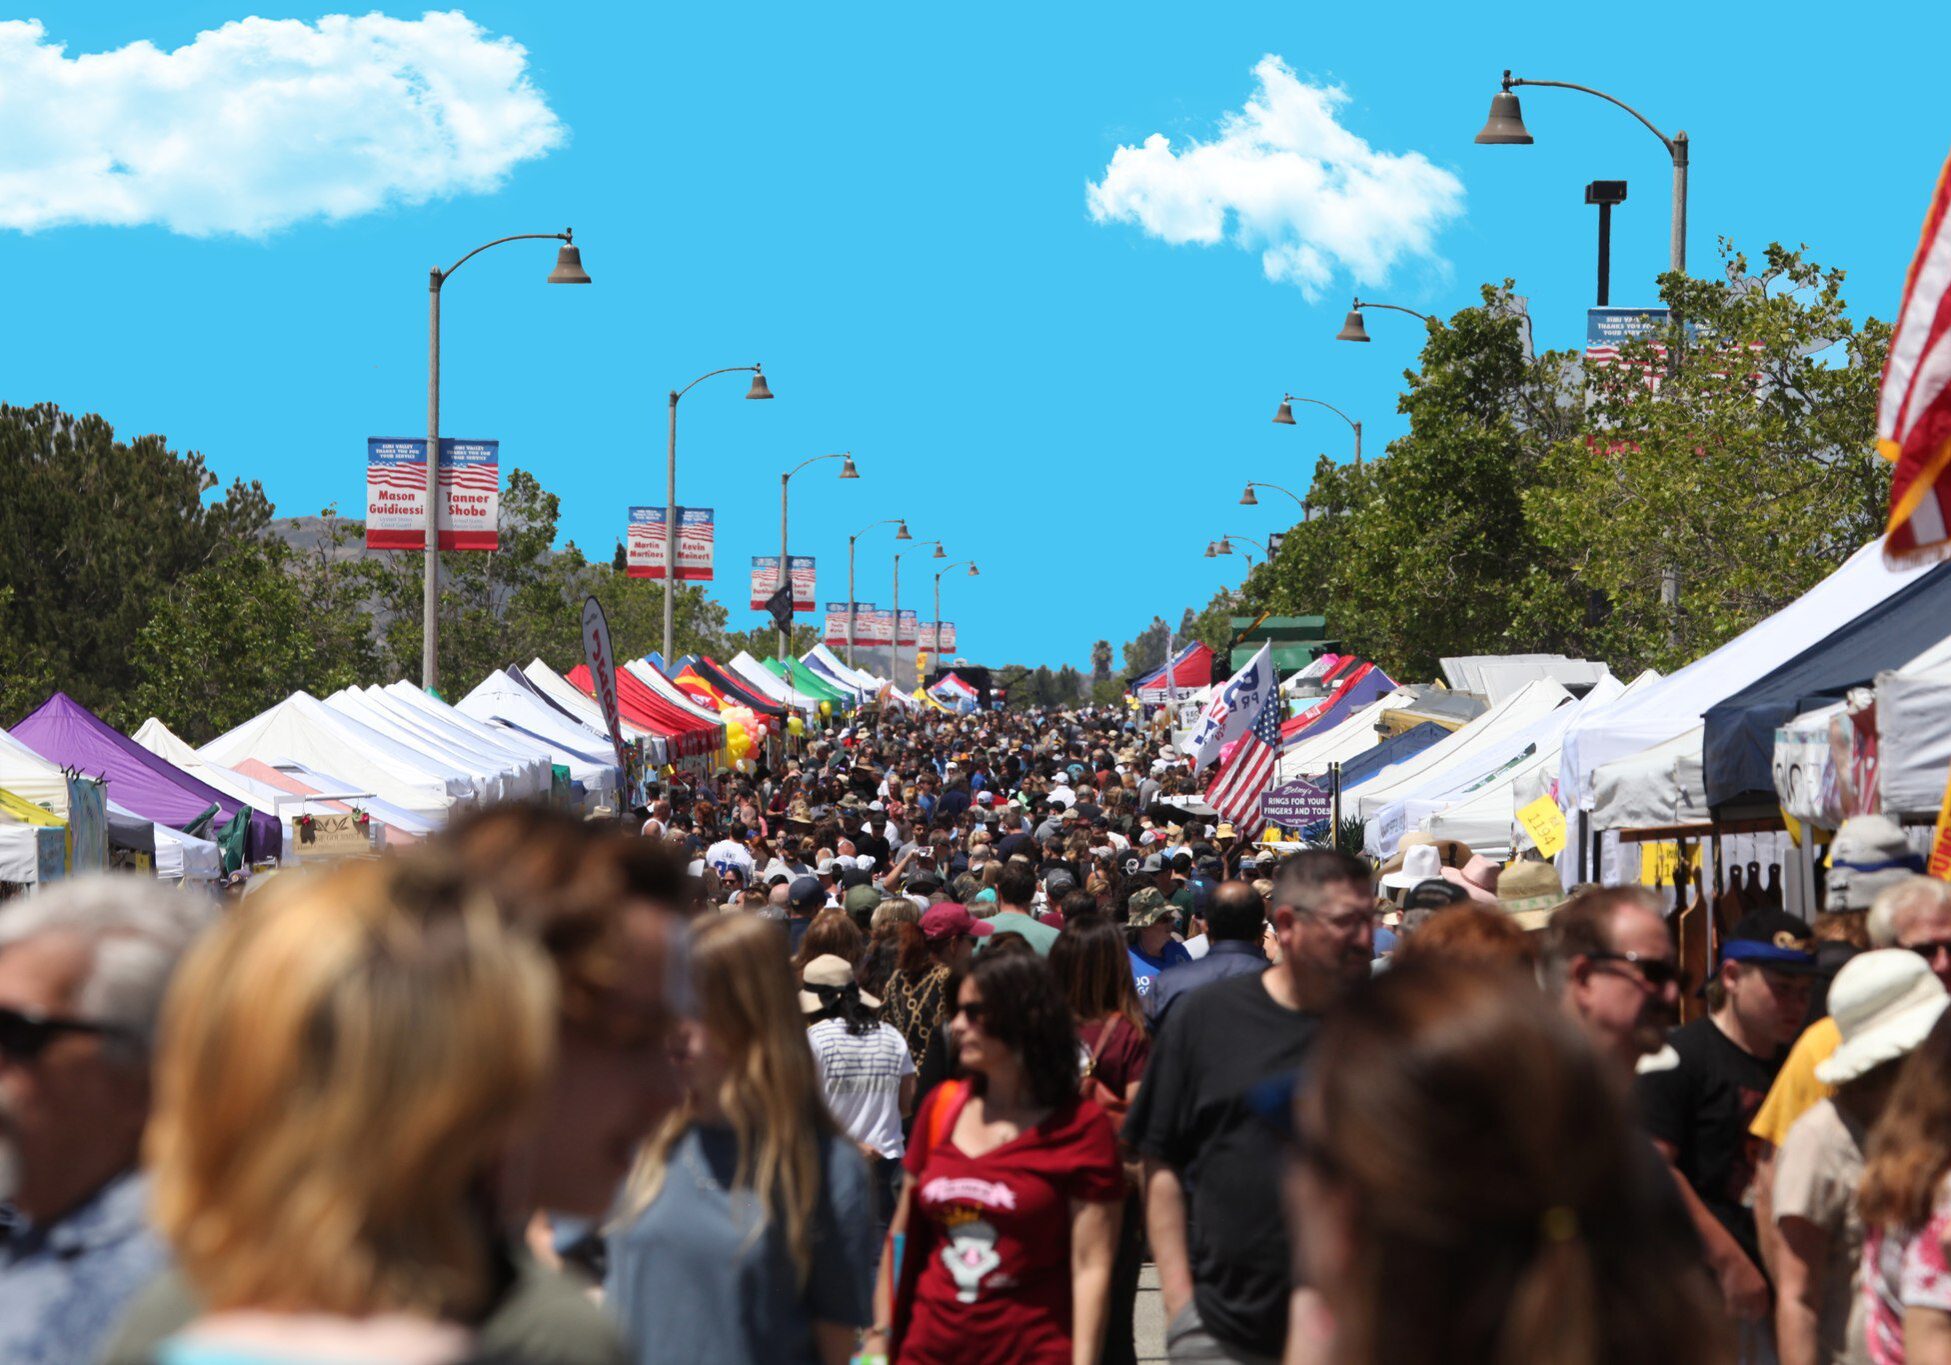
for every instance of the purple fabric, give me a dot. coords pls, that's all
(64, 731)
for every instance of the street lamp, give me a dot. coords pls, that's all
(974, 572)
(1248, 500)
(1505, 127)
(1353, 330)
(758, 390)
(568, 270)
(847, 471)
(852, 540)
(1284, 415)
(940, 553)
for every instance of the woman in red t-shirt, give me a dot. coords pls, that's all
(1010, 1208)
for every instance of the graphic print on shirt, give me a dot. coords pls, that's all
(970, 1253)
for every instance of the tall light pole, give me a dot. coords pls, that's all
(568, 270)
(1224, 546)
(758, 390)
(1284, 415)
(940, 553)
(1505, 127)
(1353, 330)
(852, 540)
(974, 572)
(847, 471)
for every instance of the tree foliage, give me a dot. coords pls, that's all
(1535, 506)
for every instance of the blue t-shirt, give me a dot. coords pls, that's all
(704, 1274)
(1145, 970)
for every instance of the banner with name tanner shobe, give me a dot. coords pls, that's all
(396, 493)
(644, 550)
(765, 580)
(1231, 711)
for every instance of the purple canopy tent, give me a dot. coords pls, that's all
(64, 731)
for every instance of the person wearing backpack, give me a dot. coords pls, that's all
(1090, 961)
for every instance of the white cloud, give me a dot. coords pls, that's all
(1311, 197)
(262, 123)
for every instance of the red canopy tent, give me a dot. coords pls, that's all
(687, 735)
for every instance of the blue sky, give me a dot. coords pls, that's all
(888, 207)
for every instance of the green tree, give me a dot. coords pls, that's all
(1101, 661)
(1147, 651)
(26, 676)
(93, 534)
(1740, 463)
(1425, 553)
(241, 633)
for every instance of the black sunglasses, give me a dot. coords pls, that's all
(25, 1036)
(1929, 950)
(975, 1012)
(1657, 972)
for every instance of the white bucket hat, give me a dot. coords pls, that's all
(1885, 1003)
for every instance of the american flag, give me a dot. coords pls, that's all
(1244, 778)
(1914, 409)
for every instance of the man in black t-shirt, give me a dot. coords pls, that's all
(1212, 1167)
(1698, 1109)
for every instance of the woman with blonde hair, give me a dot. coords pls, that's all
(347, 1064)
(747, 1226)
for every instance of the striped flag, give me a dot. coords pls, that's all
(1246, 774)
(1913, 425)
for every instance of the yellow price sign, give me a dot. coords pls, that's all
(1545, 823)
(1659, 861)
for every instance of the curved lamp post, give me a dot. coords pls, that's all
(1284, 415)
(1353, 330)
(847, 471)
(940, 553)
(1248, 500)
(974, 572)
(758, 390)
(852, 540)
(568, 270)
(1505, 127)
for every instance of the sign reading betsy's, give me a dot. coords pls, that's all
(1297, 803)
(396, 493)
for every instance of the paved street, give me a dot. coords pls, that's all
(1148, 1322)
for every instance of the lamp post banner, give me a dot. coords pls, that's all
(396, 493)
(644, 549)
(930, 642)
(910, 626)
(765, 580)
(835, 633)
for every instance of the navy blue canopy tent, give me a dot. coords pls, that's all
(1738, 750)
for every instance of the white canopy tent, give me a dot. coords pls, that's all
(32, 778)
(163, 742)
(179, 856)
(303, 729)
(1913, 728)
(1481, 811)
(866, 684)
(769, 684)
(488, 781)
(1380, 802)
(501, 702)
(306, 788)
(1663, 784)
(584, 710)
(1676, 704)
(30, 839)
(523, 768)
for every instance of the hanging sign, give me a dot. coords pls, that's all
(644, 550)
(396, 493)
(1545, 823)
(1297, 803)
(765, 579)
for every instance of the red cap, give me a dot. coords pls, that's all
(949, 920)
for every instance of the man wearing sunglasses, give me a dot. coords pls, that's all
(1609, 962)
(83, 968)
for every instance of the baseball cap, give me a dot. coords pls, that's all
(1147, 907)
(1058, 883)
(1774, 939)
(1154, 863)
(862, 900)
(806, 893)
(949, 920)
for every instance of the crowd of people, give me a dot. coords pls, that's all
(920, 1045)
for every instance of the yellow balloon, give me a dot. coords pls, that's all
(826, 708)
(795, 726)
